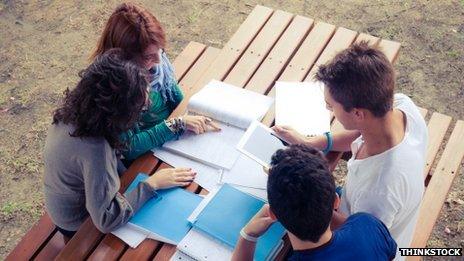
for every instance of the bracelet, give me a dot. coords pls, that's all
(176, 125)
(248, 237)
(329, 146)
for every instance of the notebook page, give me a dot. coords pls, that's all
(199, 246)
(246, 172)
(216, 149)
(301, 105)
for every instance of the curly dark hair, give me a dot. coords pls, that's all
(107, 100)
(301, 191)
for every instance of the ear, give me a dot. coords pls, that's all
(336, 201)
(271, 214)
(359, 114)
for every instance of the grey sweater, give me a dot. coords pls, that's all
(81, 178)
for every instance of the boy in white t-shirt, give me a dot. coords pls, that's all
(385, 133)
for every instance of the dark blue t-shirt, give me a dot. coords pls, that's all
(361, 237)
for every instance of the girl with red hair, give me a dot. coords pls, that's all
(139, 34)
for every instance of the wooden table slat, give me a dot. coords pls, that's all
(259, 48)
(372, 40)
(187, 58)
(144, 251)
(280, 55)
(439, 185)
(231, 52)
(390, 48)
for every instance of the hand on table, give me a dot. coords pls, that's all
(260, 223)
(200, 124)
(168, 178)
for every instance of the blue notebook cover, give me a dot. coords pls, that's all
(228, 212)
(166, 214)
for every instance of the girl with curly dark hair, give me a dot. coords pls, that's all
(138, 32)
(81, 150)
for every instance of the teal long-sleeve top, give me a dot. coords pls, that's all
(151, 131)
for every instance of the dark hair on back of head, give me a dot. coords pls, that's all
(301, 191)
(360, 77)
(107, 100)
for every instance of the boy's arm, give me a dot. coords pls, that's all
(341, 140)
(244, 250)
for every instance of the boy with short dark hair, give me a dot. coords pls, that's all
(301, 193)
(384, 131)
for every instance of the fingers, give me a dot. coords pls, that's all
(213, 125)
(182, 169)
(182, 184)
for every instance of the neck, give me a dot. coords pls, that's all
(383, 133)
(299, 244)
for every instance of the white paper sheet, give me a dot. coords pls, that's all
(246, 172)
(203, 247)
(131, 236)
(301, 105)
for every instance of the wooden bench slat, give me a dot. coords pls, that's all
(279, 55)
(390, 48)
(437, 127)
(53, 247)
(342, 39)
(33, 240)
(165, 253)
(439, 185)
(259, 48)
(423, 112)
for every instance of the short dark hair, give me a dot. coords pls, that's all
(301, 191)
(360, 77)
(108, 99)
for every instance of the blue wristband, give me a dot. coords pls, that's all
(329, 142)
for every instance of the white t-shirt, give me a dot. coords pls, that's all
(390, 185)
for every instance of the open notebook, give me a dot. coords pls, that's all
(163, 217)
(234, 109)
(219, 219)
(301, 105)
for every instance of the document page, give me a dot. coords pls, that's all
(301, 105)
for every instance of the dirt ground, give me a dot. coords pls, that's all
(43, 44)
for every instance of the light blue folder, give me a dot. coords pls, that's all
(228, 212)
(165, 215)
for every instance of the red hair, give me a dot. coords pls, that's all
(131, 28)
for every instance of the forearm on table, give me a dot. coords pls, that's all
(244, 250)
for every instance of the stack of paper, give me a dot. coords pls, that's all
(164, 217)
(301, 105)
(217, 222)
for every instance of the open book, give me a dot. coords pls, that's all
(234, 109)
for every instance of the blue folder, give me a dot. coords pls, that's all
(228, 212)
(165, 215)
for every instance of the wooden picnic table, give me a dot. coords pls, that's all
(270, 45)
